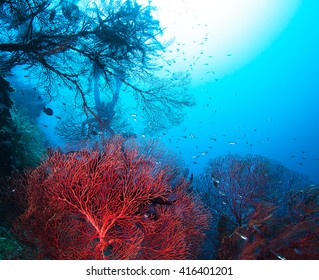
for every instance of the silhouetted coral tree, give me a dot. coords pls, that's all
(91, 49)
(110, 204)
(233, 183)
(271, 235)
(235, 186)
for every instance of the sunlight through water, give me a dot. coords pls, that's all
(230, 32)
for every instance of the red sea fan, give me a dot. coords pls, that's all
(110, 204)
(269, 235)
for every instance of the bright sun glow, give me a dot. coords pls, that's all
(220, 35)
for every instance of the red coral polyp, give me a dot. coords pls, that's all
(109, 204)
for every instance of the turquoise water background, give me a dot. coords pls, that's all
(267, 107)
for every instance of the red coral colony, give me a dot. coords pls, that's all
(105, 71)
(113, 204)
(262, 210)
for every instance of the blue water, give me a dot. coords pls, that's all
(268, 107)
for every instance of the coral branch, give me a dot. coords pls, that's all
(110, 204)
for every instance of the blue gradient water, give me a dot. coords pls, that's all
(268, 107)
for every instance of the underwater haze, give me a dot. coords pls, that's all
(267, 106)
(159, 129)
(253, 66)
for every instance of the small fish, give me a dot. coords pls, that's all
(280, 257)
(191, 135)
(195, 156)
(58, 117)
(232, 143)
(215, 181)
(243, 237)
(48, 111)
(52, 15)
(204, 153)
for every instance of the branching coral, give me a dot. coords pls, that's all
(109, 204)
(255, 200)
